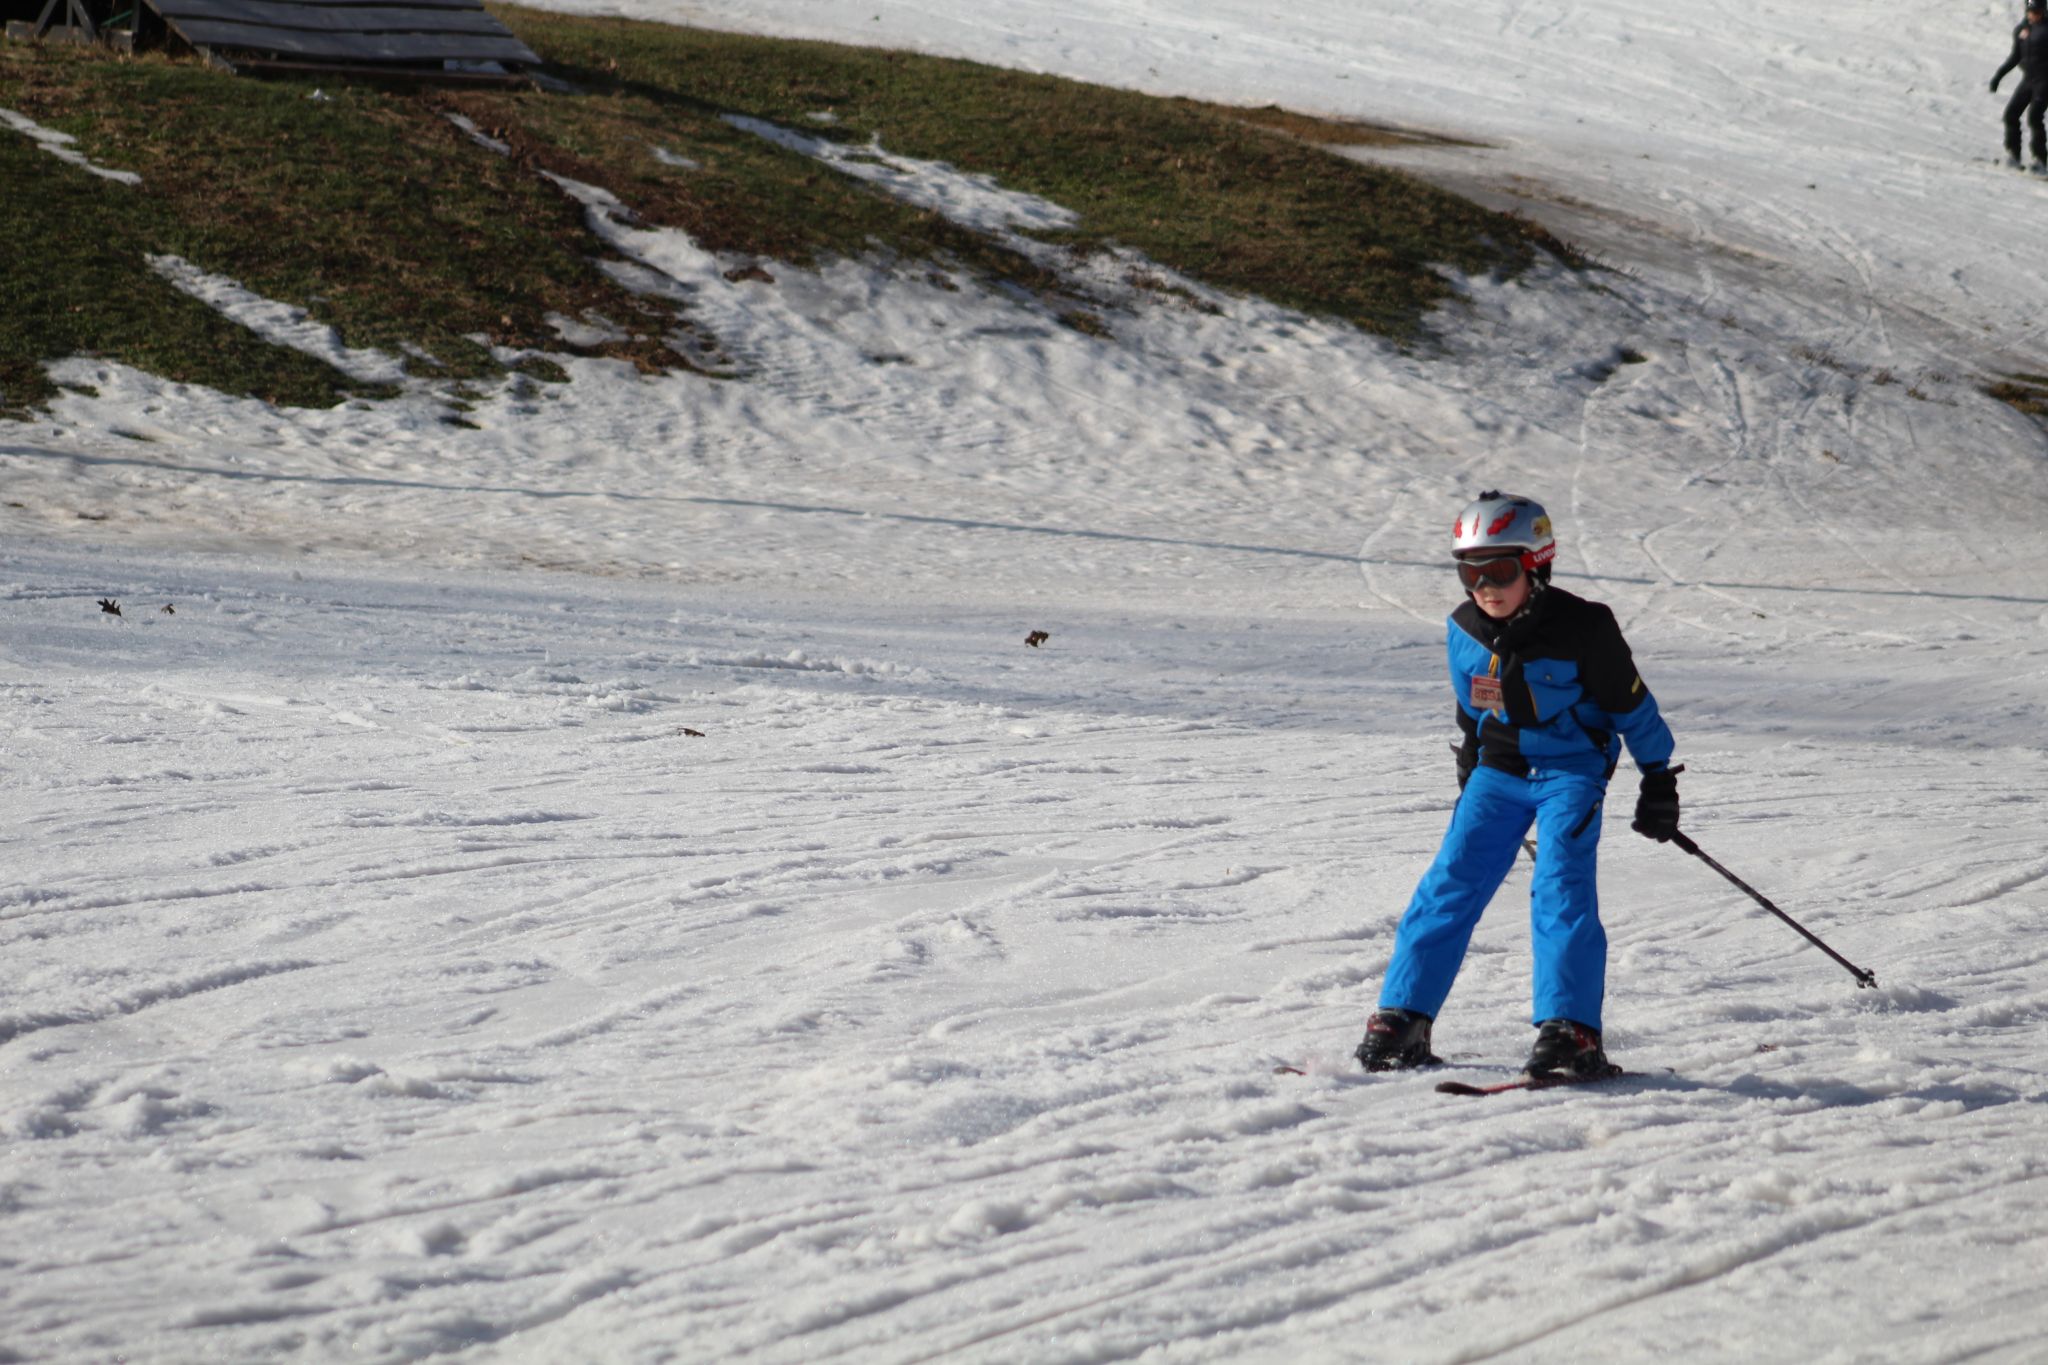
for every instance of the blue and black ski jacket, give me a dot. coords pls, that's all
(1554, 688)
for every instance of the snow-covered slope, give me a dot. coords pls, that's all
(392, 972)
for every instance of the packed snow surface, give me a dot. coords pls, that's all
(599, 874)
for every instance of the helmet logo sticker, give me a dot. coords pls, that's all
(1541, 526)
(1500, 523)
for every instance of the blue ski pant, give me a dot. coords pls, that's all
(1568, 945)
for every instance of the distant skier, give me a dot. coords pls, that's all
(1546, 692)
(2030, 55)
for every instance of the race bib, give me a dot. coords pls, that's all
(1486, 692)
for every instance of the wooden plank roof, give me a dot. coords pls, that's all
(390, 16)
(346, 32)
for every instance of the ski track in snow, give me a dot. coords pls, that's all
(392, 974)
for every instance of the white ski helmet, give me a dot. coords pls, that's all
(1501, 521)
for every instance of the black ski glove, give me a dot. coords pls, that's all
(1994, 85)
(1657, 805)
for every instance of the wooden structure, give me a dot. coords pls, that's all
(440, 40)
(61, 21)
(435, 39)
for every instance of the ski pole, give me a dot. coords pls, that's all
(1864, 976)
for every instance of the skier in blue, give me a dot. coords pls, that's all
(1547, 693)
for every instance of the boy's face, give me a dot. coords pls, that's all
(1501, 601)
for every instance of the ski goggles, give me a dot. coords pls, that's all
(1501, 572)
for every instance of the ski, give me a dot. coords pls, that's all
(1542, 1081)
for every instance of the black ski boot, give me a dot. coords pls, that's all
(1396, 1040)
(1568, 1048)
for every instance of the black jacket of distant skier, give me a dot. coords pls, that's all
(2029, 54)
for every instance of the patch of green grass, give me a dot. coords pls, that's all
(2026, 392)
(1216, 193)
(741, 195)
(77, 286)
(369, 209)
(364, 207)
(1329, 132)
